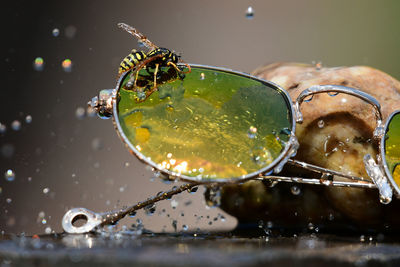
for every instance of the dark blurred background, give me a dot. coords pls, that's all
(64, 158)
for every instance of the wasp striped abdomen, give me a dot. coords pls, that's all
(131, 61)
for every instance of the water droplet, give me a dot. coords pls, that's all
(252, 132)
(8, 200)
(169, 107)
(318, 65)
(55, 32)
(185, 227)
(16, 125)
(80, 113)
(97, 144)
(310, 226)
(47, 230)
(174, 224)
(122, 189)
(193, 190)
(150, 209)
(67, 65)
(70, 31)
(29, 179)
(28, 119)
(261, 155)
(132, 214)
(126, 164)
(362, 238)
(308, 98)
(321, 124)
(46, 190)
(249, 13)
(295, 190)
(7, 150)
(202, 76)
(333, 93)
(3, 128)
(331, 217)
(174, 203)
(10, 175)
(44, 221)
(213, 197)
(38, 64)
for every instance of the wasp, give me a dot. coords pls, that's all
(155, 59)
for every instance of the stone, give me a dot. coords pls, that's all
(336, 134)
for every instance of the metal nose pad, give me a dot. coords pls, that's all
(380, 180)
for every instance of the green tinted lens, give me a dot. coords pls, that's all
(209, 124)
(392, 148)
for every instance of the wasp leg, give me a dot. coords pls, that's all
(136, 77)
(179, 70)
(155, 76)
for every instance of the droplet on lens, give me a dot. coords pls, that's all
(252, 132)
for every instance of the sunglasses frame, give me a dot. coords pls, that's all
(289, 150)
(106, 105)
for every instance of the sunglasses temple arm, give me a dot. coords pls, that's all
(323, 171)
(95, 220)
(315, 181)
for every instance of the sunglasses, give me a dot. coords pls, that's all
(209, 125)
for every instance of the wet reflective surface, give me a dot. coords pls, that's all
(198, 250)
